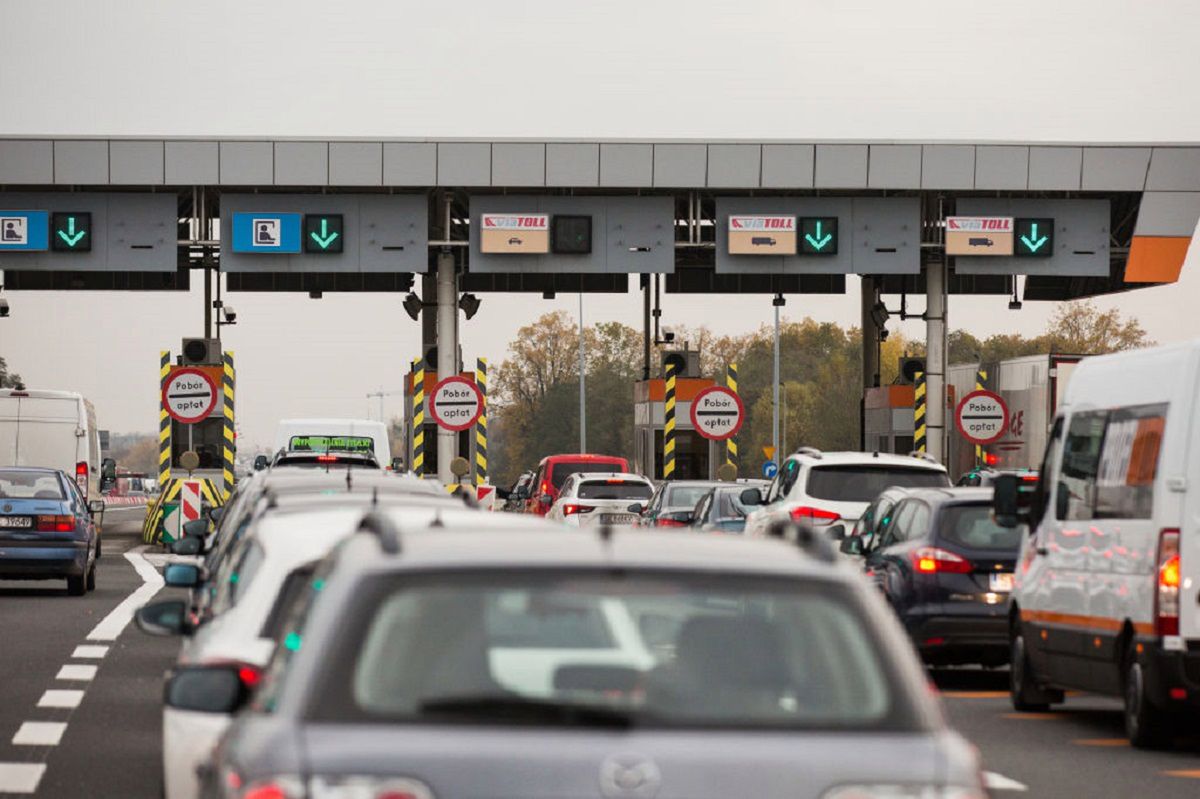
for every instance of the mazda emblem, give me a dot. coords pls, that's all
(629, 777)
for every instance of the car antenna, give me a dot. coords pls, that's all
(349, 482)
(375, 496)
(437, 518)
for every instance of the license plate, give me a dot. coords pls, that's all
(1001, 581)
(617, 518)
(16, 521)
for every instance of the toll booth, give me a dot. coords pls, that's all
(466, 438)
(696, 457)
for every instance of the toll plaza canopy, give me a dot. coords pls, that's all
(576, 215)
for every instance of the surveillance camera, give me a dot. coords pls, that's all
(230, 314)
(3, 307)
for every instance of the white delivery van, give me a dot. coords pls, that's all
(348, 435)
(54, 429)
(1108, 579)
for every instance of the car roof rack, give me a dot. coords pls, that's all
(383, 529)
(811, 452)
(925, 456)
(808, 538)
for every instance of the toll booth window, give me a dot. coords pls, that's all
(1080, 463)
(205, 438)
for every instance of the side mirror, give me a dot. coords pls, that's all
(852, 545)
(215, 514)
(188, 545)
(182, 575)
(206, 689)
(167, 617)
(751, 497)
(96, 506)
(1004, 500)
(836, 532)
(261, 462)
(397, 464)
(197, 528)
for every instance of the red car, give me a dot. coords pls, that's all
(555, 469)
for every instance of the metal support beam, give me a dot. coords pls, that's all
(870, 353)
(428, 312)
(935, 356)
(447, 341)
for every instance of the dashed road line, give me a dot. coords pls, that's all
(61, 698)
(119, 617)
(85, 651)
(82, 673)
(40, 733)
(20, 777)
(998, 782)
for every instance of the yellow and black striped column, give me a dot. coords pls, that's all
(919, 402)
(230, 445)
(731, 450)
(164, 422)
(981, 376)
(481, 429)
(418, 417)
(669, 425)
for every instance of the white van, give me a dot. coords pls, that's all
(1108, 580)
(359, 435)
(54, 429)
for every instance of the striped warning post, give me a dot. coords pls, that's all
(669, 425)
(418, 417)
(731, 383)
(481, 427)
(164, 421)
(980, 384)
(230, 447)
(919, 413)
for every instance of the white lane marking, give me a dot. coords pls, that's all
(40, 733)
(111, 625)
(20, 777)
(76, 672)
(998, 782)
(68, 699)
(89, 651)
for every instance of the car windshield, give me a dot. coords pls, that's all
(864, 483)
(563, 469)
(971, 526)
(614, 489)
(20, 484)
(685, 496)
(578, 648)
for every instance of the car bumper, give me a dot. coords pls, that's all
(188, 742)
(1172, 671)
(959, 634)
(66, 559)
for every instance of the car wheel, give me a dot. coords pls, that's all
(91, 578)
(1026, 695)
(77, 586)
(1147, 726)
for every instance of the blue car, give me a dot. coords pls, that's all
(47, 529)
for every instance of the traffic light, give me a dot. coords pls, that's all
(818, 235)
(323, 233)
(1034, 238)
(910, 368)
(71, 231)
(571, 235)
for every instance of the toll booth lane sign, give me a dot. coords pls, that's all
(1034, 238)
(818, 235)
(25, 231)
(189, 395)
(266, 232)
(514, 233)
(717, 413)
(71, 231)
(981, 417)
(455, 403)
(762, 235)
(323, 233)
(979, 235)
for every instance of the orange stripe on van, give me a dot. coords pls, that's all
(1103, 623)
(1156, 259)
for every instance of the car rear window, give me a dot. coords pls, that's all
(972, 527)
(579, 648)
(685, 496)
(561, 470)
(323, 461)
(22, 484)
(864, 483)
(615, 489)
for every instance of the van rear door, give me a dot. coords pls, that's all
(9, 416)
(48, 433)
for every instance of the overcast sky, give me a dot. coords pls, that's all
(1070, 70)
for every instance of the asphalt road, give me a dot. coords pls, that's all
(107, 741)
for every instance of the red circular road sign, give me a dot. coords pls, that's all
(982, 417)
(189, 395)
(455, 403)
(717, 413)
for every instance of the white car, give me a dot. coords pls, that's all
(590, 498)
(833, 489)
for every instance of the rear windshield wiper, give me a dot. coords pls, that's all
(490, 707)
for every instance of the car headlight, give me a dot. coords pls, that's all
(904, 792)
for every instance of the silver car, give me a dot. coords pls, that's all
(457, 663)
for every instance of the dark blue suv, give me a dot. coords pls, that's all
(946, 567)
(47, 529)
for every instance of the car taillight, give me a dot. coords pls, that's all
(814, 516)
(932, 560)
(665, 522)
(81, 477)
(250, 676)
(327, 459)
(569, 510)
(1166, 599)
(368, 788)
(274, 788)
(55, 524)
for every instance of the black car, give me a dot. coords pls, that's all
(946, 567)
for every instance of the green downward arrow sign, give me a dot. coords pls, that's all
(70, 236)
(820, 241)
(1032, 241)
(326, 238)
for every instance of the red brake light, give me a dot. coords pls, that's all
(327, 459)
(1030, 477)
(931, 560)
(569, 510)
(1166, 600)
(665, 522)
(81, 477)
(268, 790)
(991, 459)
(55, 524)
(814, 516)
(250, 676)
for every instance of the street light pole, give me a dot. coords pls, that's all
(582, 391)
(777, 302)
